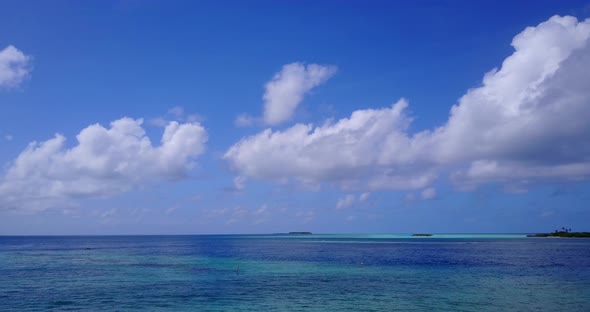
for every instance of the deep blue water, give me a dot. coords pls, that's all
(287, 273)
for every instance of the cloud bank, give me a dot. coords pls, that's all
(104, 162)
(527, 121)
(14, 67)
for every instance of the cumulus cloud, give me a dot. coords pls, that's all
(364, 196)
(14, 67)
(366, 145)
(286, 89)
(528, 120)
(104, 162)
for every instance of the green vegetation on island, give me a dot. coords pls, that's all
(299, 233)
(561, 233)
(420, 234)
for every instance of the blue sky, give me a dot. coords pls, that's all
(275, 116)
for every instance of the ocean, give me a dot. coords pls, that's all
(294, 273)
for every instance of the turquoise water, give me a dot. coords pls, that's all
(295, 273)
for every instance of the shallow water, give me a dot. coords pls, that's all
(295, 273)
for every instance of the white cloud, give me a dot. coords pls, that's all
(528, 120)
(364, 196)
(287, 88)
(483, 171)
(364, 146)
(244, 120)
(345, 202)
(533, 110)
(531, 113)
(14, 67)
(428, 193)
(158, 122)
(239, 183)
(8, 137)
(104, 162)
(176, 113)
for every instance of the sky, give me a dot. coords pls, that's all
(210, 117)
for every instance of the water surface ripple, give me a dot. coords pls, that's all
(294, 273)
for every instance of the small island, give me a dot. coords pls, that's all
(423, 235)
(299, 233)
(561, 233)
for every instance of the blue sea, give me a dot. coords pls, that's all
(294, 273)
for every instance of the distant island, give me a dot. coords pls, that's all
(561, 233)
(299, 233)
(419, 234)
